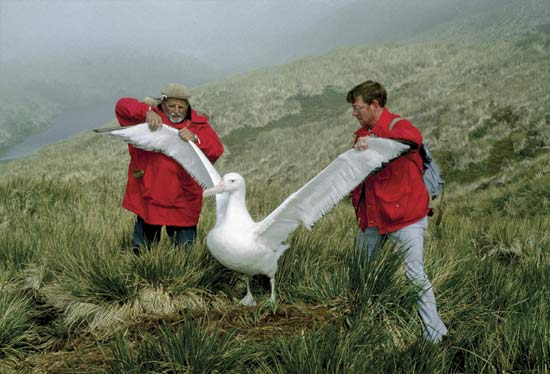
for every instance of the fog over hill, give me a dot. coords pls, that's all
(217, 35)
(361, 22)
(58, 54)
(139, 44)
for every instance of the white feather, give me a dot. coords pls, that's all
(166, 140)
(236, 240)
(326, 189)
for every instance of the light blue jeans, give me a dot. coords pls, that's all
(410, 242)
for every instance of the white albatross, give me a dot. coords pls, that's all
(236, 240)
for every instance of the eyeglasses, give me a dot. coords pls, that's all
(359, 108)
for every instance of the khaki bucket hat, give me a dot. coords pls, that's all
(176, 91)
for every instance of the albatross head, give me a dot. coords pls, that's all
(230, 182)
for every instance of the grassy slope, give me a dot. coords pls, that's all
(489, 110)
(483, 108)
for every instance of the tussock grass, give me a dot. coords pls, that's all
(336, 310)
(85, 303)
(187, 348)
(16, 325)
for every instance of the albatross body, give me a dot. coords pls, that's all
(236, 240)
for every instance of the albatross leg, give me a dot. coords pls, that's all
(248, 300)
(272, 298)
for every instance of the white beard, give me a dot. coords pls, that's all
(175, 118)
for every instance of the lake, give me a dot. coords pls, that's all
(70, 123)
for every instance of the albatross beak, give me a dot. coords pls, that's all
(219, 188)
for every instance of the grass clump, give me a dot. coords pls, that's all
(186, 348)
(16, 322)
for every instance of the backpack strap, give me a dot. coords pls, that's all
(394, 121)
(410, 144)
(361, 199)
(407, 155)
(441, 206)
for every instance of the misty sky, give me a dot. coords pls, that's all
(35, 28)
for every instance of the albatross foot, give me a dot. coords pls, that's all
(248, 300)
(271, 303)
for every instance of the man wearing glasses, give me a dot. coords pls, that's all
(393, 203)
(159, 191)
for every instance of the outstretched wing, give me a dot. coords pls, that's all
(326, 189)
(187, 154)
(166, 140)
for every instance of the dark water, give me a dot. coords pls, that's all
(68, 124)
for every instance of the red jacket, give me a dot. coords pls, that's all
(396, 196)
(159, 190)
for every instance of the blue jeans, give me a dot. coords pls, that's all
(410, 242)
(146, 235)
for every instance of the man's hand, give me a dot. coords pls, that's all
(187, 135)
(361, 144)
(153, 120)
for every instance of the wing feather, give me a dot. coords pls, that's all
(167, 141)
(326, 189)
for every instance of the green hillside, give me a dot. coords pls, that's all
(73, 299)
(480, 107)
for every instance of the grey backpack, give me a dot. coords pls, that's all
(431, 174)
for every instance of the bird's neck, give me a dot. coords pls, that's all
(236, 210)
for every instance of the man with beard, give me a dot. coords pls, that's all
(159, 191)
